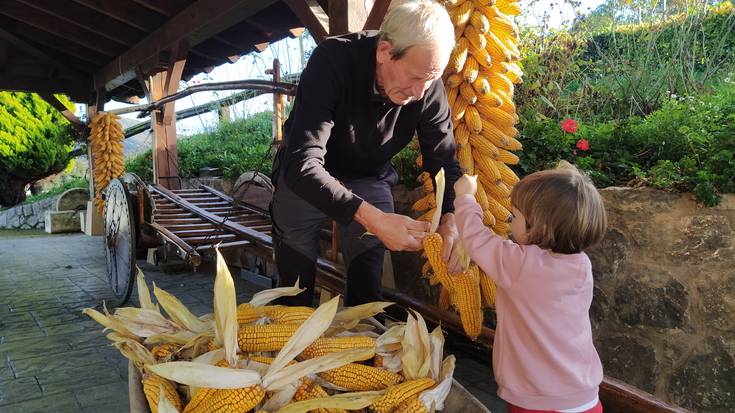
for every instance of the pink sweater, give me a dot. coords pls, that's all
(543, 355)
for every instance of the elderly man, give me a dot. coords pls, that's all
(360, 100)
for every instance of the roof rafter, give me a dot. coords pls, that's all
(194, 24)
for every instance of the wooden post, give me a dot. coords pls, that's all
(346, 16)
(163, 122)
(278, 106)
(93, 219)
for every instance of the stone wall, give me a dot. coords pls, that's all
(664, 305)
(28, 216)
(663, 312)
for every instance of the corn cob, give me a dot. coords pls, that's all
(484, 146)
(267, 337)
(481, 196)
(327, 345)
(488, 219)
(486, 167)
(359, 377)
(411, 405)
(507, 175)
(461, 135)
(472, 117)
(106, 145)
(488, 290)
(464, 155)
(396, 394)
(378, 361)
(433, 247)
(427, 202)
(225, 400)
(471, 69)
(247, 314)
(482, 88)
(281, 314)
(454, 80)
(468, 93)
(309, 389)
(458, 56)
(466, 298)
(445, 300)
(479, 21)
(458, 109)
(151, 388)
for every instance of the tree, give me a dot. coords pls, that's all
(35, 140)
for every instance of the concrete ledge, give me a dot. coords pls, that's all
(62, 221)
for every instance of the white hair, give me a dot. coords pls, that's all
(417, 23)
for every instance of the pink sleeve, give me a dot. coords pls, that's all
(500, 259)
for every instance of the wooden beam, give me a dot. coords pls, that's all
(194, 24)
(83, 54)
(164, 7)
(296, 32)
(76, 88)
(52, 100)
(176, 64)
(86, 18)
(346, 16)
(29, 49)
(312, 16)
(377, 14)
(3, 54)
(125, 12)
(46, 22)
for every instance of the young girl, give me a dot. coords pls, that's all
(543, 356)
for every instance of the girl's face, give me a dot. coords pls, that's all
(518, 228)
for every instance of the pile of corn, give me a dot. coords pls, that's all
(262, 358)
(106, 140)
(479, 81)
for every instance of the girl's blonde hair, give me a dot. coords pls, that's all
(417, 23)
(563, 210)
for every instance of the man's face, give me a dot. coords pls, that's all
(405, 80)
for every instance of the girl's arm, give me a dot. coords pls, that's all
(498, 258)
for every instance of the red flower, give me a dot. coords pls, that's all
(569, 125)
(583, 144)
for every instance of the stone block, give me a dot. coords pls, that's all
(62, 221)
(706, 381)
(73, 199)
(93, 224)
(637, 302)
(629, 359)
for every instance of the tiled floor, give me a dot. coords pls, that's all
(55, 359)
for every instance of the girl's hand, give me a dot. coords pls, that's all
(465, 185)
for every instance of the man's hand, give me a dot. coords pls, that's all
(451, 251)
(465, 185)
(397, 232)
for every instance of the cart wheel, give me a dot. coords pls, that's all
(119, 240)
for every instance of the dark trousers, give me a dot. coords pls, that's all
(296, 227)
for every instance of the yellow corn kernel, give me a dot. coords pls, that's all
(327, 345)
(466, 163)
(453, 81)
(461, 14)
(479, 21)
(467, 92)
(501, 228)
(509, 8)
(482, 56)
(458, 56)
(471, 69)
(427, 216)
(483, 145)
(481, 196)
(165, 352)
(360, 377)
(476, 39)
(411, 405)
(467, 301)
(309, 389)
(247, 314)
(506, 157)
(433, 244)
(225, 400)
(268, 337)
(496, 48)
(485, 166)
(427, 202)
(488, 290)
(452, 94)
(459, 108)
(506, 174)
(445, 299)
(473, 120)
(461, 133)
(281, 314)
(151, 388)
(488, 219)
(481, 87)
(398, 393)
(500, 213)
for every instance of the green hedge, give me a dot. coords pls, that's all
(686, 145)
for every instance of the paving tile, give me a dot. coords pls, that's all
(106, 398)
(62, 403)
(17, 391)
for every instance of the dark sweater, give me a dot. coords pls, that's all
(341, 128)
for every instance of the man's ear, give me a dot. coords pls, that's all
(383, 52)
